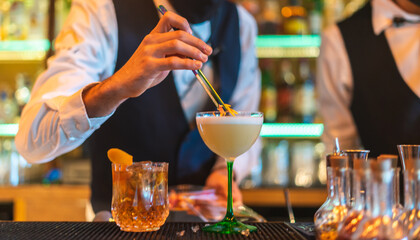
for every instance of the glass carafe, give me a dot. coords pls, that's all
(397, 208)
(335, 208)
(413, 216)
(410, 161)
(362, 204)
(381, 225)
(353, 154)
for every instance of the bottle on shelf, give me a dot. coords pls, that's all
(38, 19)
(8, 108)
(16, 21)
(304, 105)
(303, 163)
(268, 102)
(285, 92)
(315, 17)
(275, 163)
(23, 92)
(269, 21)
(295, 18)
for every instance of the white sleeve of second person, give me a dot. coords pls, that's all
(246, 95)
(55, 119)
(334, 85)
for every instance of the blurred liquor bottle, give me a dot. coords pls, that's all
(268, 102)
(275, 163)
(315, 17)
(22, 20)
(269, 21)
(295, 18)
(23, 90)
(304, 105)
(15, 20)
(285, 92)
(38, 17)
(8, 108)
(303, 167)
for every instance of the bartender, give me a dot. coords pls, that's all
(368, 79)
(111, 81)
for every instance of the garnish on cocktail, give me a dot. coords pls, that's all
(118, 156)
(229, 110)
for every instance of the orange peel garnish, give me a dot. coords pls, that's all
(228, 108)
(118, 156)
(222, 112)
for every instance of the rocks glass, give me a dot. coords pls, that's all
(140, 196)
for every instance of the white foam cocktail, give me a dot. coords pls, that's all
(229, 137)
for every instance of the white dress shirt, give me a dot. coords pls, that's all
(334, 76)
(55, 119)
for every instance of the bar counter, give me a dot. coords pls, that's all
(60, 202)
(109, 230)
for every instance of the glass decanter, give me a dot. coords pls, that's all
(335, 208)
(381, 225)
(362, 202)
(410, 161)
(397, 208)
(353, 154)
(413, 221)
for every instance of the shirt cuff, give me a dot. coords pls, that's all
(74, 119)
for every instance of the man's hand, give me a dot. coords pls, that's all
(160, 51)
(219, 181)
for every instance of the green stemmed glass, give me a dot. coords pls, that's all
(229, 136)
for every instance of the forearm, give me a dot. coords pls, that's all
(103, 98)
(50, 128)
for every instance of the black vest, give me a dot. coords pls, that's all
(386, 111)
(153, 126)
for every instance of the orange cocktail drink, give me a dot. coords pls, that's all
(140, 196)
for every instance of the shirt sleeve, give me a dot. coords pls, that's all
(55, 119)
(246, 95)
(334, 85)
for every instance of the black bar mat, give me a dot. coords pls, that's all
(109, 230)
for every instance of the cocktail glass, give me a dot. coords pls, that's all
(229, 136)
(140, 196)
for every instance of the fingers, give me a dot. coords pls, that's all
(175, 62)
(222, 190)
(171, 20)
(183, 37)
(177, 47)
